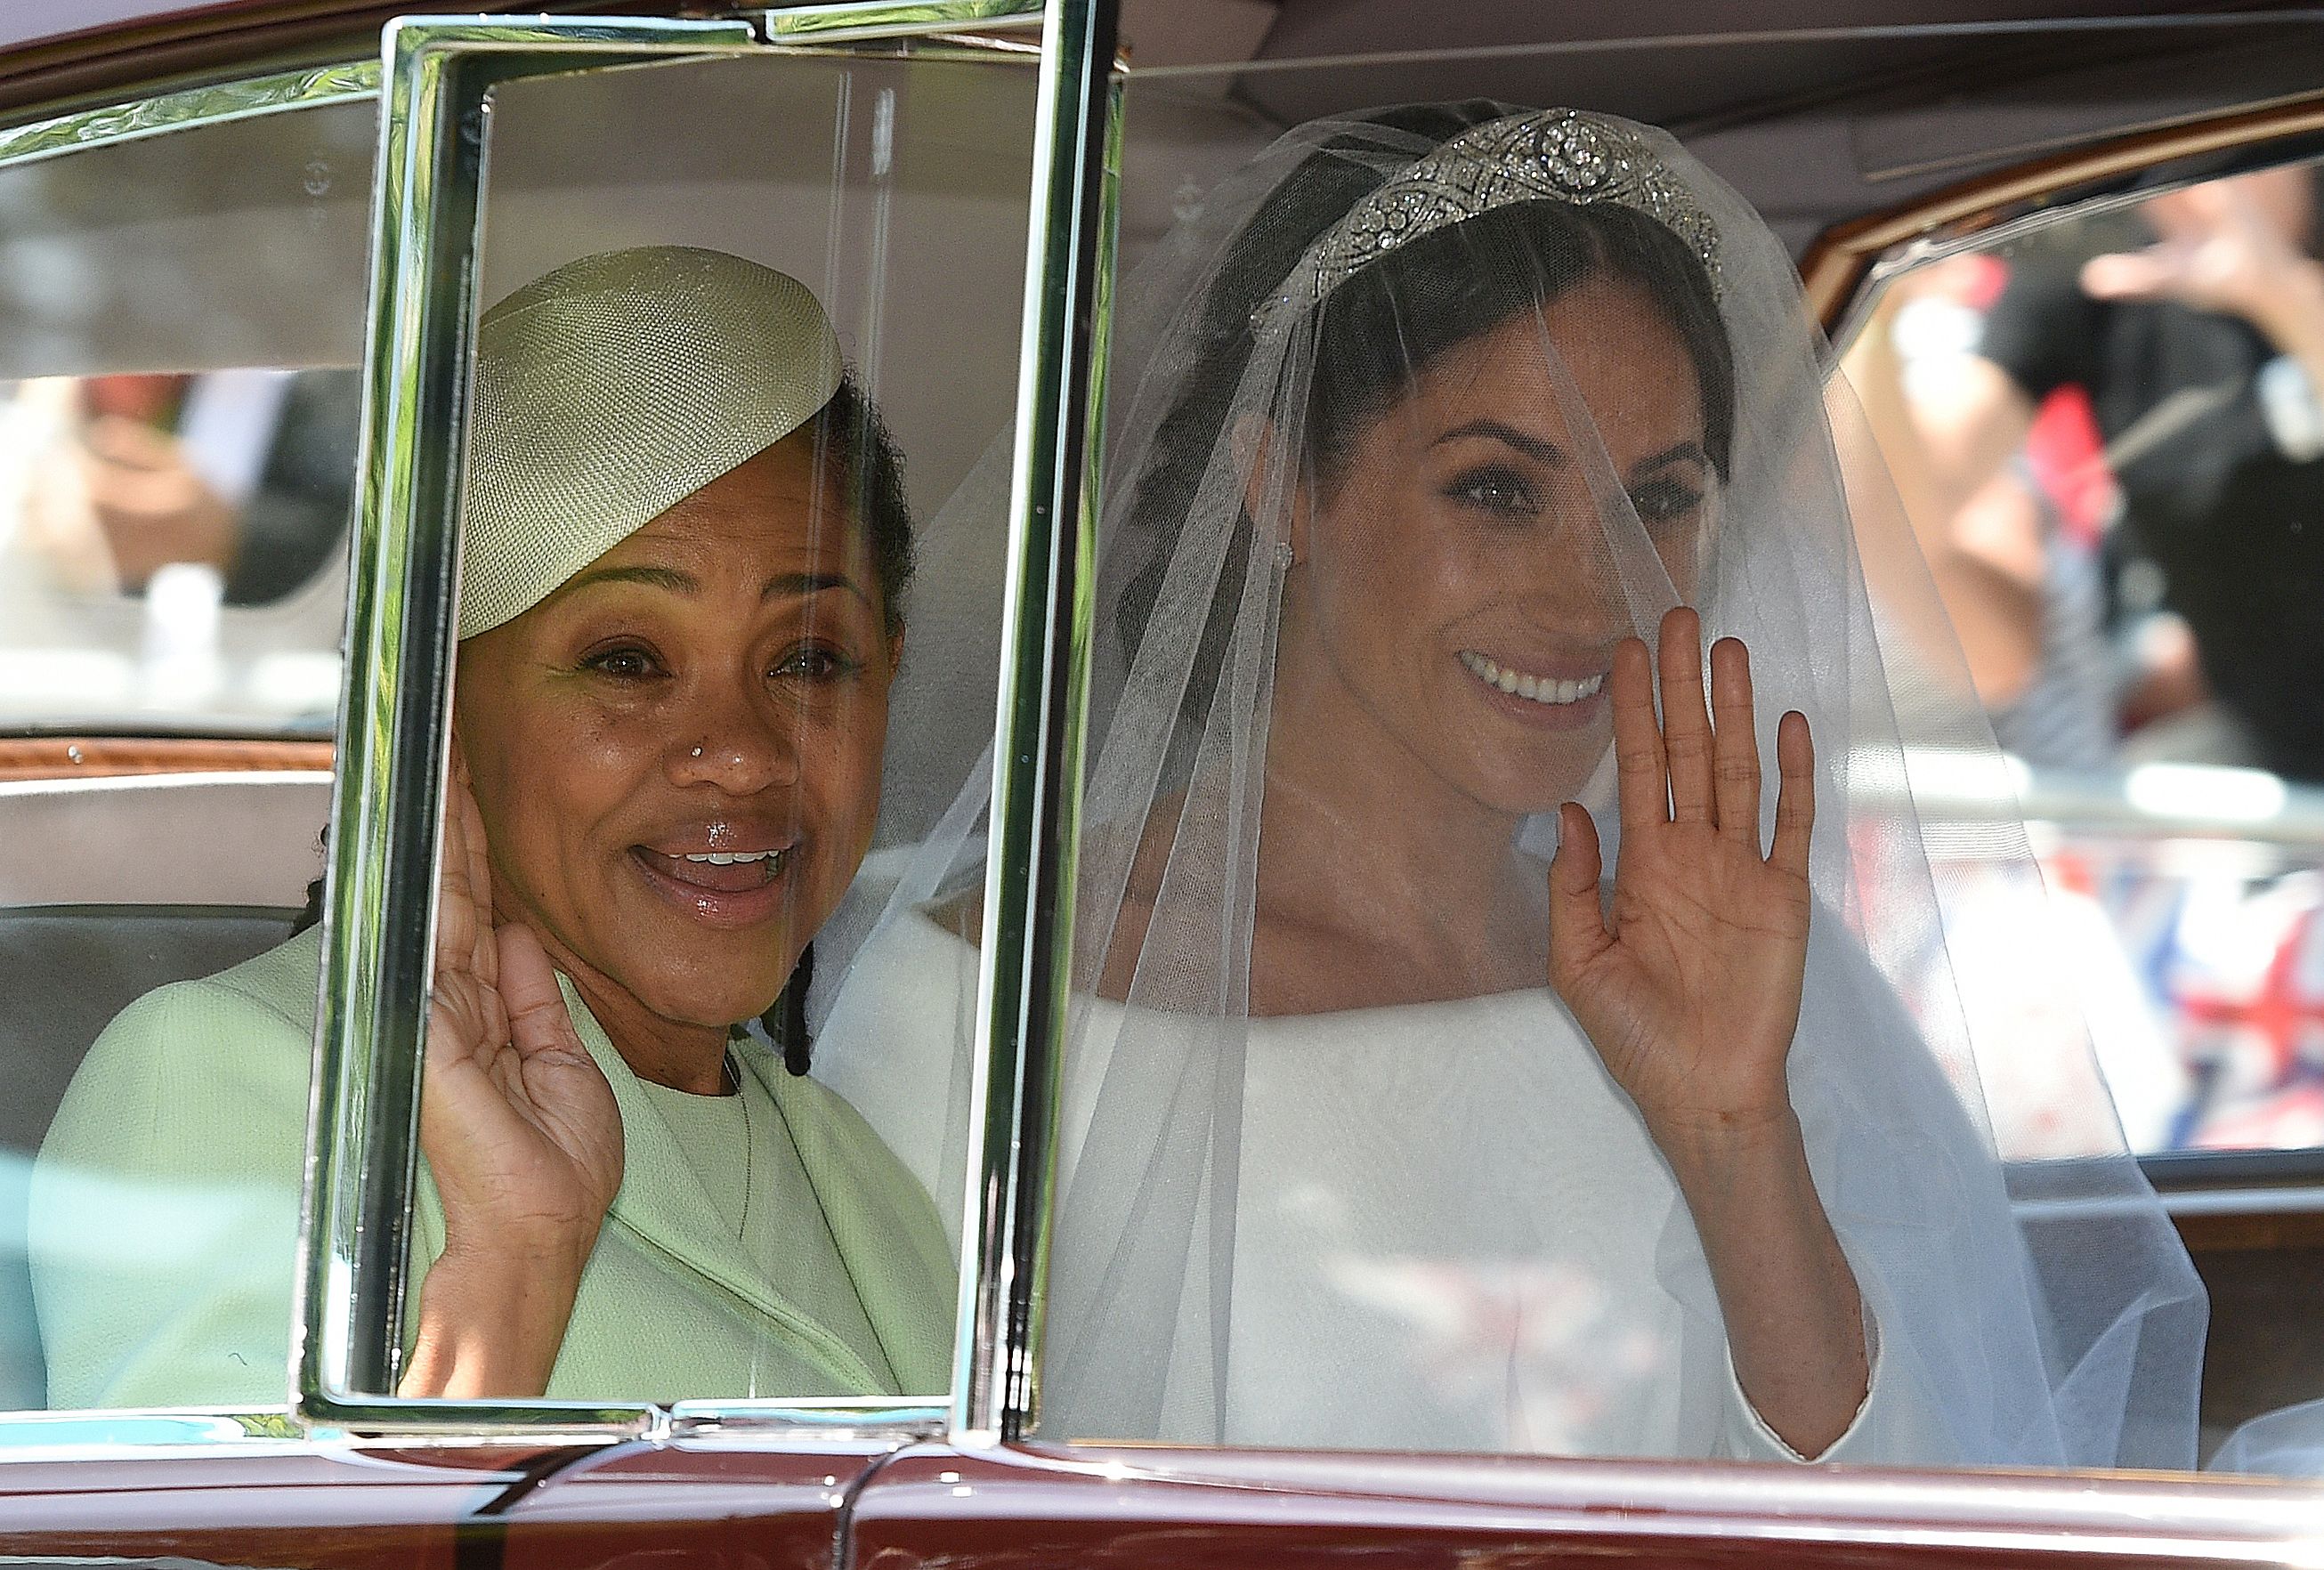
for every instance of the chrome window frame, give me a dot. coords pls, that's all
(189, 108)
(437, 74)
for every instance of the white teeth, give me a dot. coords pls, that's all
(728, 858)
(1545, 690)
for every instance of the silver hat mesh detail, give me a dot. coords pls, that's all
(1568, 155)
(611, 389)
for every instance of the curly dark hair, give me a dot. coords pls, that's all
(850, 429)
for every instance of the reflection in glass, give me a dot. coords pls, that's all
(2105, 436)
(171, 548)
(681, 726)
(1372, 1133)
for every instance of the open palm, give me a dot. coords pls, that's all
(519, 1125)
(1689, 985)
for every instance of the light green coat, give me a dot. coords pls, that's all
(165, 1214)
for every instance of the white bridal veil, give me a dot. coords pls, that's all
(1390, 1210)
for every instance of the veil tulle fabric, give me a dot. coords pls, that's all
(1420, 1221)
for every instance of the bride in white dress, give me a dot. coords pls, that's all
(1465, 1056)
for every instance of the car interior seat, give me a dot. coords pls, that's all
(65, 972)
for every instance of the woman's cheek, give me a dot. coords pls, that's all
(592, 763)
(845, 757)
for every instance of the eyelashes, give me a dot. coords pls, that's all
(1501, 492)
(1497, 490)
(636, 665)
(628, 663)
(818, 662)
(1666, 500)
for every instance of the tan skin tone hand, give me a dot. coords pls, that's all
(1689, 986)
(520, 1132)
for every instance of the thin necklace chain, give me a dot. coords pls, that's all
(735, 1073)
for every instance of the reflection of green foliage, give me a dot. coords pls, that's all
(268, 1425)
(801, 25)
(222, 101)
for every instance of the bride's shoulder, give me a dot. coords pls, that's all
(1105, 849)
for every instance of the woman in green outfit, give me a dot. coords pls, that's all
(686, 548)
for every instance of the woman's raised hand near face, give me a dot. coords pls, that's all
(1690, 984)
(1690, 989)
(522, 1134)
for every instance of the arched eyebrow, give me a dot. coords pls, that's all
(1541, 449)
(1544, 451)
(1684, 452)
(782, 585)
(799, 585)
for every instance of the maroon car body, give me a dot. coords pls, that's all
(801, 1498)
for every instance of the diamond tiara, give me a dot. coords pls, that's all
(1567, 155)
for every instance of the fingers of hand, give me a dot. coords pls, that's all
(454, 910)
(1795, 795)
(2135, 274)
(1735, 758)
(536, 1008)
(1686, 723)
(1644, 782)
(1577, 926)
(478, 872)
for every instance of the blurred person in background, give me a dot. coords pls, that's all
(247, 472)
(2017, 561)
(2201, 355)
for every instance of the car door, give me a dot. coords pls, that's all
(879, 151)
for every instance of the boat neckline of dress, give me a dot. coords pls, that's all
(1514, 998)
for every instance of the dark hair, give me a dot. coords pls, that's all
(850, 432)
(1387, 324)
(1383, 326)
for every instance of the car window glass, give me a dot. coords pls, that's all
(180, 318)
(1334, 1120)
(2099, 425)
(2103, 437)
(733, 515)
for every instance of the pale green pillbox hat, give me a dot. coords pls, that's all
(612, 388)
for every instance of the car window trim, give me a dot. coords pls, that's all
(189, 108)
(363, 1137)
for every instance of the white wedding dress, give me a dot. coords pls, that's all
(1438, 1226)
(1449, 1224)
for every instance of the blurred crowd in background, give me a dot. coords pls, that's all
(2109, 441)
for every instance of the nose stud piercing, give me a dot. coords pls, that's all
(697, 752)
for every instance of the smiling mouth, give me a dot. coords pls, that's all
(1542, 689)
(719, 872)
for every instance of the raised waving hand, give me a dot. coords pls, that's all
(521, 1133)
(1689, 986)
